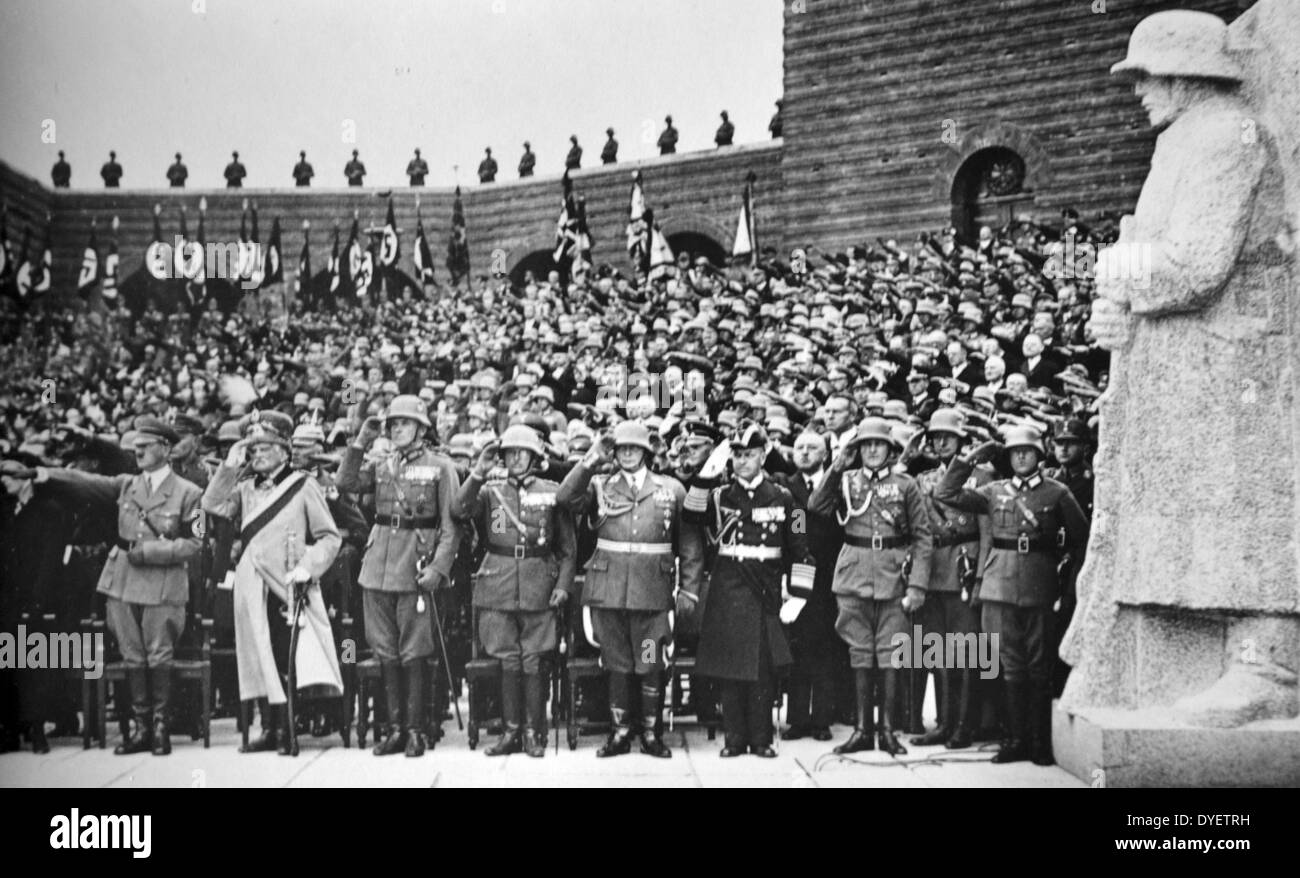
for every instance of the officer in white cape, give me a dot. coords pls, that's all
(288, 540)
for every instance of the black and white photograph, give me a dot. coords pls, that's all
(890, 395)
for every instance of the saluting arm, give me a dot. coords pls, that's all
(221, 497)
(352, 476)
(575, 491)
(950, 492)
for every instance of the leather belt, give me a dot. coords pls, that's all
(407, 522)
(751, 553)
(124, 545)
(518, 552)
(876, 542)
(947, 540)
(634, 548)
(1025, 544)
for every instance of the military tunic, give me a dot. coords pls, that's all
(146, 576)
(631, 575)
(885, 524)
(957, 538)
(530, 551)
(413, 496)
(1033, 522)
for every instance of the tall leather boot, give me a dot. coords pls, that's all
(886, 737)
(962, 729)
(1040, 722)
(535, 707)
(942, 699)
(161, 684)
(1015, 748)
(272, 721)
(416, 743)
(394, 739)
(862, 738)
(916, 679)
(140, 737)
(619, 741)
(441, 697)
(512, 715)
(652, 743)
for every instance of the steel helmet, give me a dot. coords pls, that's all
(1025, 436)
(408, 406)
(523, 437)
(874, 428)
(633, 433)
(1180, 42)
(947, 421)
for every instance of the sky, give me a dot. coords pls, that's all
(149, 78)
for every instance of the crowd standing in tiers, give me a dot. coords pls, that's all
(649, 451)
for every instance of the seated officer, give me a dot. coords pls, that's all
(526, 574)
(882, 571)
(1034, 521)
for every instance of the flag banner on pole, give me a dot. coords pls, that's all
(746, 237)
(390, 246)
(458, 244)
(89, 273)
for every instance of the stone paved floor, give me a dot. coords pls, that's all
(324, 762)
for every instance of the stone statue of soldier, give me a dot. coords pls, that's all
(1194, 541)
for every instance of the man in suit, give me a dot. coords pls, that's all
(145, 579)
(761, 540)
(631, 576)
(1038, 367)
(527, 574)
(817, 650)
(963, 369)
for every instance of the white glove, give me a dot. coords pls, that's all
(297, 576)
(791, 609)
(716, 465)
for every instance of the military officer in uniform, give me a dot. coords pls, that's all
(726, 131)
(235, 172)
(145, 578)
(1070, 448)
(177, 173)
(527, 573)
(527, 161)
(960, 542)
(410, 552)
(668, 137)
(355, 170)
(761, 539)
(289, 540)
(573, 160)
(609, 154)
(883, 569)
(1034, 520)
(630, 577)
(487, 169)
(61, 173)
(303, 171)
(417, 169)
(111, 172)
